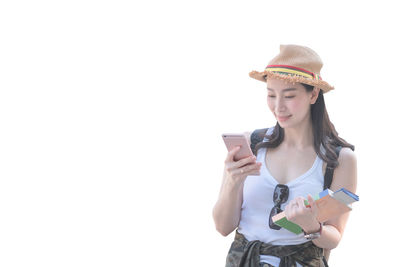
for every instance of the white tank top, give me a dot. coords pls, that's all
(258, 202)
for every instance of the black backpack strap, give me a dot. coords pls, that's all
(325, 261)
(327, 184)
(329, 171)
(256, 137)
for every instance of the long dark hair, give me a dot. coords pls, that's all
(323, 130)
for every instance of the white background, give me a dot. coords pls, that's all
(111, 114)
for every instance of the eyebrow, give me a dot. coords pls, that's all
(284, 90)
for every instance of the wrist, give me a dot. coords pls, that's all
(312, 228)
(233, 186)
(311, 235)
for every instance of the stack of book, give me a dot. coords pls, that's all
(330, 205)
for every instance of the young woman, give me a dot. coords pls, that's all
(289, 165)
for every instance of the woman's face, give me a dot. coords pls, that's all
(290, 103)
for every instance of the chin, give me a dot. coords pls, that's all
(286, 124)
(283, 125)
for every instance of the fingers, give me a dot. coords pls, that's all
(240, 163)
(310, 200)
(300, 202)
(289, 209)
(243, 172)
(312, 203)
(296, 211)
(252, 169)
(231, 154)
(294, 208)
(245, 161)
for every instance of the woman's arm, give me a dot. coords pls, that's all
(226, 212)
(345, 175)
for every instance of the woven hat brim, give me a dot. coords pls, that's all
(261, 76)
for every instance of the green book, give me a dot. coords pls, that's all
(288, 225)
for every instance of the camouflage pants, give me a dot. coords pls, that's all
(243, 253)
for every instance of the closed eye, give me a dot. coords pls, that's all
(285, 96)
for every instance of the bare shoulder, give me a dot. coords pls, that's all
(347, 158)
(345, 174)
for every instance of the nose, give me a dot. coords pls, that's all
(280, 105)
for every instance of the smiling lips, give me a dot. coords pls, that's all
(283, 118)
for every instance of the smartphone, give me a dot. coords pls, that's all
(231, 140)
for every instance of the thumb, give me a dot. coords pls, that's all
(312, 203)
(232, 153)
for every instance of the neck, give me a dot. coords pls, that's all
(299, 136)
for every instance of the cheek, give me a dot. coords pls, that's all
(271, 104)
(294, 105)
(297, 107)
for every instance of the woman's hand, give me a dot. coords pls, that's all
(237, 171)
(227, 210)
(306, 217)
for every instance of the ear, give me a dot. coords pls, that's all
(314, 95)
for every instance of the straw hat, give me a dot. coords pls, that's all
(295, 63)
